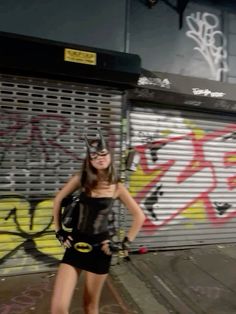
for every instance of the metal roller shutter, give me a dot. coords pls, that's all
(42, 122)
(185, 176)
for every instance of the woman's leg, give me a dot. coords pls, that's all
(64, 287)
(92, 292)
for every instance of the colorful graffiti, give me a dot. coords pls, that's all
(40, 142)
(31, 154)
(187, 176)
(26, 227)
(37, 154)
(40, 132)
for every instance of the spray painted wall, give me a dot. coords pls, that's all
(203, 47)
(183, 176)
(129, 25)
(152, 33)
(41, 146)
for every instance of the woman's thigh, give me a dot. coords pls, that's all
(66, 280)
(93, 287)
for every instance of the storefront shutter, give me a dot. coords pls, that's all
(41, 146)
(183, 176)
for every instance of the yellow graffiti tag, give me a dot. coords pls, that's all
(137, 185)
(195, 212)
(199, 133)
(19, 221)
(231, 159)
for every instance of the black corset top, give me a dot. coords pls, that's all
(95, 214)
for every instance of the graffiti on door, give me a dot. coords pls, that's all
(37, 155)
(188, 177)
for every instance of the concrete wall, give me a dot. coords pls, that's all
(155, 34)
(129, 25)
(87, 22)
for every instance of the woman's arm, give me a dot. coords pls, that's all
(72, 185)
(135, 210)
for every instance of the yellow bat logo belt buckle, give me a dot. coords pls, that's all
(83, 247)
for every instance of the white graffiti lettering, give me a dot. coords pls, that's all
(154, 81)
(211, 43)
(207, 92)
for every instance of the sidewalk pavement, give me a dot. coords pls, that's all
(200, 280)
(31, 294)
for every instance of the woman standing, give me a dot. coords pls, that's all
(88, 246)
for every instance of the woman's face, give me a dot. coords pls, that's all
(100, 160)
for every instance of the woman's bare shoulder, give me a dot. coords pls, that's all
(74, 181)
(120, 188)
(77, 175)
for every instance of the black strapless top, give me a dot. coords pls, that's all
(95, 215)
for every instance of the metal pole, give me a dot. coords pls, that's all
(127, 26)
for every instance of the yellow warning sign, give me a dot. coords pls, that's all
(80, 56)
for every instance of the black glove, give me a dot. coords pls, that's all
(114, 246)
(62, 235)
(126, 244)
(118, 246)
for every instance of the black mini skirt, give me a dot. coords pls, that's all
(86, 254)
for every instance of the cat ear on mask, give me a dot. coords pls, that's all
(90, 149)
(101, 143)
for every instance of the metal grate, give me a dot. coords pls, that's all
(42, 123)
(41, 127)
(185, 176)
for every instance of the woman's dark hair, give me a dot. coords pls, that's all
(89, 174)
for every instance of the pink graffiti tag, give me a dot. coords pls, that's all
(35, 132)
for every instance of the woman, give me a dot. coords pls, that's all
(89, 246)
